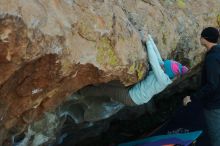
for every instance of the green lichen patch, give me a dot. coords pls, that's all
(181, 4)
(105, 53)
(138, 69)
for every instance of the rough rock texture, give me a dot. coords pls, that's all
(50, 49)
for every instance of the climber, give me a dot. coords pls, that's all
(209, 93)
(156, 81)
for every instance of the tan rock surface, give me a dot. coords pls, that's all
(50, 49)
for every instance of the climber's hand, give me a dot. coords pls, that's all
(186, 100)
(144, 35)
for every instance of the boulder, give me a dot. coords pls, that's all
(51, 49)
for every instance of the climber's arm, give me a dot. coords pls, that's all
(156, 50)
(162, 78)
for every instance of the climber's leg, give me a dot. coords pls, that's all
(119, 94)
(123, 96)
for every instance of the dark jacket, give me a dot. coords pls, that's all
(209, 93)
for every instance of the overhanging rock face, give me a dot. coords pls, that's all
(50, 49)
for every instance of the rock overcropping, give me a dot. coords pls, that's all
(51, 49)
